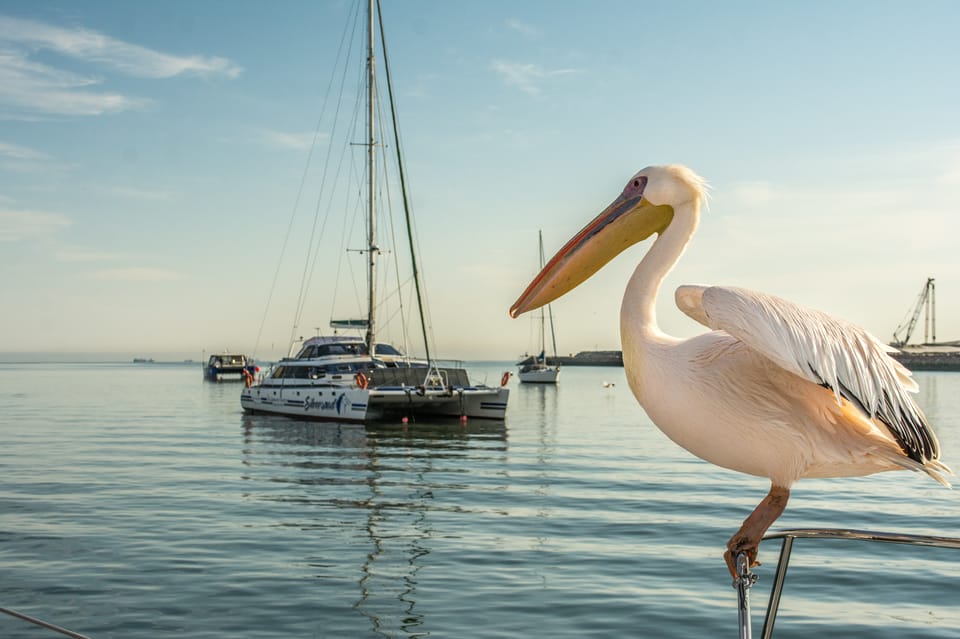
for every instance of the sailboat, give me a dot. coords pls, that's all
(354, 378)
(538, 371)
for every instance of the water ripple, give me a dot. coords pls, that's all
(125, 516)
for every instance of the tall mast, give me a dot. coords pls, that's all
(543, 316)
(371, 162)
(403, 186)
(553, 335)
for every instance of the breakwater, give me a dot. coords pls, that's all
(583, 358)
(915, 360)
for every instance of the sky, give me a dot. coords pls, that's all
(151, 154)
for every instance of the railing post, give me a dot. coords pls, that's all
(744, 580)
(777, 589)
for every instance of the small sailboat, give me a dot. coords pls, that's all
(538, 371)
(359, 378)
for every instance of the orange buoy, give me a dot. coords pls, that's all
(361, 380)
(505, 378)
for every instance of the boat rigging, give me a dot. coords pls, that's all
(351, 378)
(537, 370)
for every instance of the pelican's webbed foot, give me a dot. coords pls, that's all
(747, 539)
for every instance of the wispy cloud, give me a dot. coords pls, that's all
(88, 256)
(754, 193)
(91, 46)
(29, 87)
(949, 166)
(527, 77)
(136, 193)
(18, 225)
(135, 274)
(524, 28)
(22, 159)
(286, 140)
(33, 87)
(18, 152)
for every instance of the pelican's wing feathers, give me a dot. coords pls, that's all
(825, 350)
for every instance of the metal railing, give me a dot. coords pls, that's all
(746, 578)
(43, 624)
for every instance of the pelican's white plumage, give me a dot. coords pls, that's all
(775, 389)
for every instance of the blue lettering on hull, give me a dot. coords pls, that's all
(339, 405)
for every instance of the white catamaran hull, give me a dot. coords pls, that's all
(346, 404)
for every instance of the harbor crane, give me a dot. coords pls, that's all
(926, 301)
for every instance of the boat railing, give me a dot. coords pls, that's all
(746, 578)
(43, 624)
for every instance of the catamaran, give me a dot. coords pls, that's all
(351, 378)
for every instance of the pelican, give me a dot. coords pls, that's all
(774, 389)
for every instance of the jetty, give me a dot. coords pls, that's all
(943, 356)
(930, 355)
(583, 358)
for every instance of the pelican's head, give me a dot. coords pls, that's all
(646, 206)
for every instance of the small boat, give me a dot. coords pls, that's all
(349, 378)
(224, 367)
(538, 371)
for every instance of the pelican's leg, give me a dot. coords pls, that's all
(747, 539)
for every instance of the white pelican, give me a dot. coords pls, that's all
(774, 390)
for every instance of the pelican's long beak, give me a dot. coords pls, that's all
(629, 219)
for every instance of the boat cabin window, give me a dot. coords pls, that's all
(319, 372)
(339, 348)
(386, 349)
(345, 348)
(298, 372)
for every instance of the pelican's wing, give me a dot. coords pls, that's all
(828, 351)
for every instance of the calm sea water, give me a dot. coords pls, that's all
(137, 500)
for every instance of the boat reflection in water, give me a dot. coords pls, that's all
(375, 495)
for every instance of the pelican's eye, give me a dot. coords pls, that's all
(637, 185)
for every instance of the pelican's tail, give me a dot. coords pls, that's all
(933, 467)
(936, 469)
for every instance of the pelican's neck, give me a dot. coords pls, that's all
(638, 314)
